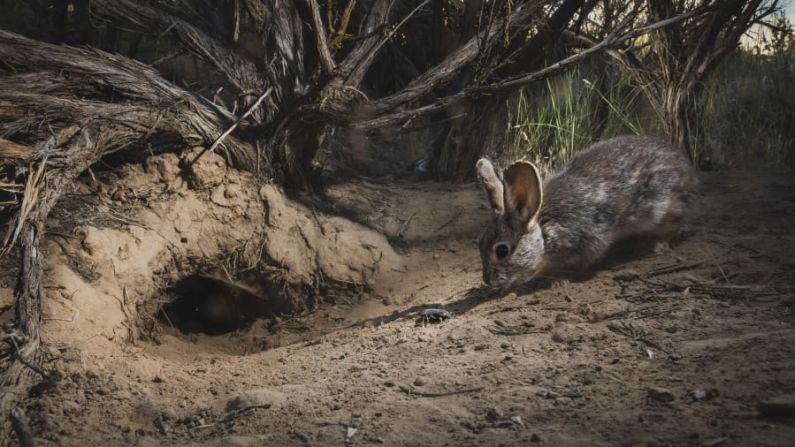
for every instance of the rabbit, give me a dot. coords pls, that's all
(616, 188)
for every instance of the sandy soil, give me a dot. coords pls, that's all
(660, 349)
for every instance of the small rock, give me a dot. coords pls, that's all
(660, 394)
(419, 381)
(389, 383)
(255, 398)
(300, 436)
(779, 407)
(157, 379)
(494, 413)
(535, 438)
(161, 426)
(700, 394)
(71, 406)
(168, 414)
(566, 333)
(626, 275)
(503, 423)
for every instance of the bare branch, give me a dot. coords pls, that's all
(326, 60)
(66, 73)
(339, 37)
(356, 63)
(395, 29)
(449, 68)
(241, 73)
(233, 126)
(398, 118)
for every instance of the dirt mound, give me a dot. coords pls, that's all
(230, 249)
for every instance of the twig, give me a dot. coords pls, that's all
(167, 30)
(233, 126)
(317, 220)
(451, 220)
(234, 414)
(515, 330)
(68, 320)
(413, 392)
(637, 334)
(20, 423)
(672, 268)
(165, 314)
(397, 27)
(404, 225)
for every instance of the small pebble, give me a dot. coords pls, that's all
(660, 394)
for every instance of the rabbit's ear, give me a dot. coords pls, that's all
(524, 194)
(491, 184)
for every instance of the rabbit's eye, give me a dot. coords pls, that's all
(501, 250)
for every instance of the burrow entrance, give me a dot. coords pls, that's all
(213, 306)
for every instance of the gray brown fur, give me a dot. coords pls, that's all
(621, 187)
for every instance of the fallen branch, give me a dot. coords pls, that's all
(412, 392)
(672, 268)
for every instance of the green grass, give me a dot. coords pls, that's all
(550, 123)
(742, 116)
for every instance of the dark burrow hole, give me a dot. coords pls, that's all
(201, 304)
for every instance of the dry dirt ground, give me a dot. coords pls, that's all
(679, 348)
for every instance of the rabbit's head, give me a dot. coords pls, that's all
(512, 247)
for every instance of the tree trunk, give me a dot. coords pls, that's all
(675, 118)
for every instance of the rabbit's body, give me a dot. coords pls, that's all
(611, 190)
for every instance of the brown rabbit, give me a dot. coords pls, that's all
(621, 187)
